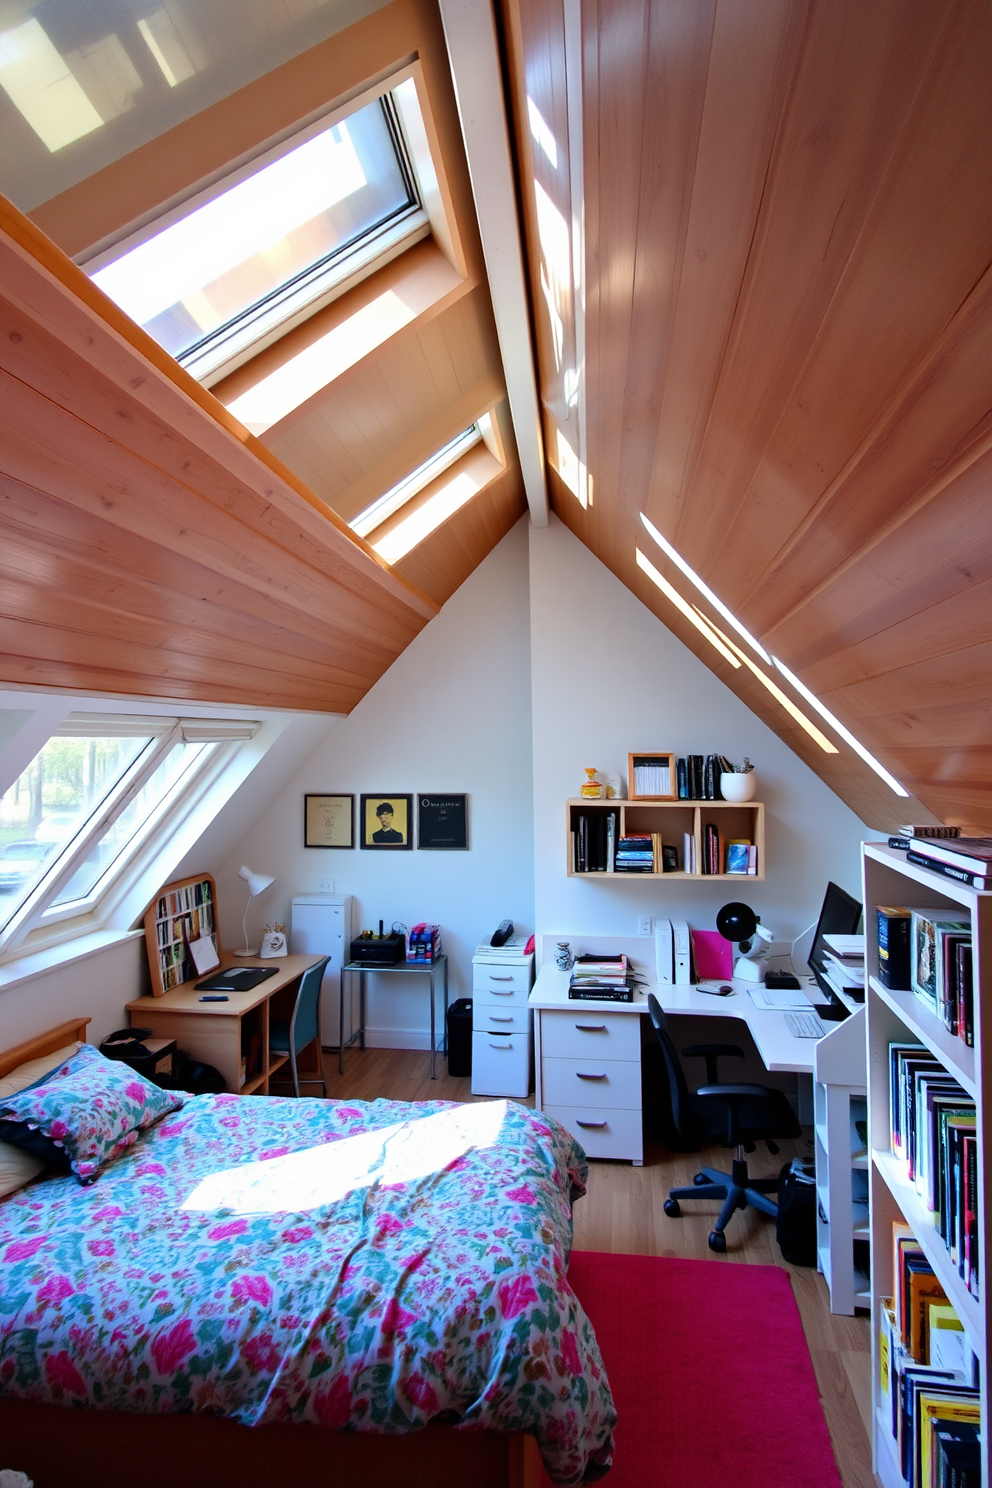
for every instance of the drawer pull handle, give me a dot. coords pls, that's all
(500, 979)
(499, 1046)
(494, 1018)
(581, 1076)
(595, 1124)
(591, 1027)
(498, 993)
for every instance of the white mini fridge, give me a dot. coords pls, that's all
(321, 926)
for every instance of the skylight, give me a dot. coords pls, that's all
(422, 522)
(239, 260)
(381, 510)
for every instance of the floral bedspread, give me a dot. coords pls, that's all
(364, 1267)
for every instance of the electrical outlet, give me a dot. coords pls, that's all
(325, 886)
(645, 925)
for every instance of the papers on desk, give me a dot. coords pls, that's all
(777, 998)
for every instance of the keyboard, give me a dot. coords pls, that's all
(804, 1025)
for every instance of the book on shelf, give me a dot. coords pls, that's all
(594, 836)
(947, 870)
(972, 854)
(893, 926)
(930, 928)
(652, 777)
(737, 855)
(689, 853)
(681, 779)
(925, 830)
(712, 848)
(635, 854)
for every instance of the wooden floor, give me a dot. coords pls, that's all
(622, 1212)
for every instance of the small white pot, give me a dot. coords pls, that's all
(734, 787)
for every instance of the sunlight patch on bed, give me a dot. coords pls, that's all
(405, 1152)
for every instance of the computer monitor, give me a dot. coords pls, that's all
(839, 915)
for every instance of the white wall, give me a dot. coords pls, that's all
(608, 677)
(451, 714)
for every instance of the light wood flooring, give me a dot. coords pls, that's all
(622, 1212)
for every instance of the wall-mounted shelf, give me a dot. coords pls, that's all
(671, 820)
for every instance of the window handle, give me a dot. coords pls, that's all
(581, 1076)
(591, 1027)
(595, 1124)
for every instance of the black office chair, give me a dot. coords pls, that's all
(734, 1115)
(302, 1028)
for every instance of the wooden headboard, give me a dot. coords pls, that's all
(43, 1043)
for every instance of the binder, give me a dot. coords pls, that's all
(681, 953)
(664, 952)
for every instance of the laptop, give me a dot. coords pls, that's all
(236, 979)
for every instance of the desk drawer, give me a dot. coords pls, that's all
(591, 1082)
(582, 1035)
(500, 1064)
(501, 1017)
(488, 976)
(602, 1133)
(495, 996)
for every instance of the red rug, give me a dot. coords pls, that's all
(710, 1373)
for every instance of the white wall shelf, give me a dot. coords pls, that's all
(900, 1016)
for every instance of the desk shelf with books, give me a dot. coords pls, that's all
(702, 830)
(928, 1119)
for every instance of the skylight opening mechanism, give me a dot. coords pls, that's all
(704, 589)
(845, 733)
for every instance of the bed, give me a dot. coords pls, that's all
(376, 1271)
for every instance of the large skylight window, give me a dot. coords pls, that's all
(228, 267)
(84, 806)
(381, 510)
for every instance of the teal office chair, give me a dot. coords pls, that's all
(302, 1028)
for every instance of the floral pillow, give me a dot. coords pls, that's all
(86, 1112)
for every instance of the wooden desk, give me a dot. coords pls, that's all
(218, 1033)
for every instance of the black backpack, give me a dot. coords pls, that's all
(795, 1228)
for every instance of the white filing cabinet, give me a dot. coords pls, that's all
(321, 926)
(591, 1078)
(501, 1037)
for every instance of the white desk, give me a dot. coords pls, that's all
(587, 1055)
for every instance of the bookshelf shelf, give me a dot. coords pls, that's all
(894, 1017)
(671, 821)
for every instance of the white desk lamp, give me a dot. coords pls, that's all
(256, 883)
(738, 922)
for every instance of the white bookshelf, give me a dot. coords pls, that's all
(840, 1100)
(891, 1015)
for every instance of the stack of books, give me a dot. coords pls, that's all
(636, 854)
(967, 860)
(602, 979)
(652, 777)
(930, 1398)
(594, 838)
(697, 777)
(843, 964)
(933, 1136)
(940, 964)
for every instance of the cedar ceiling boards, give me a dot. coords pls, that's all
(150, 546)
(788, 321)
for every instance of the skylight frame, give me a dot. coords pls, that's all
(411, 485)
(219, 351)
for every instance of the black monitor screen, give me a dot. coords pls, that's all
(840, 915)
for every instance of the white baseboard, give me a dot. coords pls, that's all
(402, 1038)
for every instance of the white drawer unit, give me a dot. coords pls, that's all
(501, 1063)
(591, 1082)
(502, 1050)
(603, 1132)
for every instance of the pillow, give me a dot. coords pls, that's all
(16, 1168)
(88, 1111)
(28, 1073)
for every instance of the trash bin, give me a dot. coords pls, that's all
(460, 1037)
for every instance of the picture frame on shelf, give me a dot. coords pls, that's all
(648, 771)
(442, 822)
(328, 821)
(386, 821)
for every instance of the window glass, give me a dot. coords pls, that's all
(118, 836)
(244, 247)
(50, 802)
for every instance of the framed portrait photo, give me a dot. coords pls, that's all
(442, 822)
(386, 822)
(328, 821)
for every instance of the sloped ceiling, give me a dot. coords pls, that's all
(788, 344)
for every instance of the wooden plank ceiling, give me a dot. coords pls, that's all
(150, 545)
(788, 346)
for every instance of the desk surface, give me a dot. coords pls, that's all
(779, 1049)
(186, 999)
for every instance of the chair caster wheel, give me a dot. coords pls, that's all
(717, 1241)
(673, 1208)
(700, 1179)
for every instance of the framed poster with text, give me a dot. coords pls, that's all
(328, 821)
(442, 822)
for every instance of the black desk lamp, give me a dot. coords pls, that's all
(738, 923)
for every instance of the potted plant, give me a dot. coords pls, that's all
(739, 782)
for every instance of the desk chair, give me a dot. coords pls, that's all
(735, 1115)
(302, 1028)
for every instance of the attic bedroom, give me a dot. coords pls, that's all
(412, 413)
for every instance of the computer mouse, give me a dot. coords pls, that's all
(726, 990)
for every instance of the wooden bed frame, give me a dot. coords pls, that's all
(57, 1446)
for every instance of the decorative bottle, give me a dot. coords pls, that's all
(591, 789)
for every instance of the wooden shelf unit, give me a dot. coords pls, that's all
(892, 1016)
(672, 819)
(180, 912)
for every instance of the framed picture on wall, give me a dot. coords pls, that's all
(328, 821)
(442, 822)
(386, 821)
